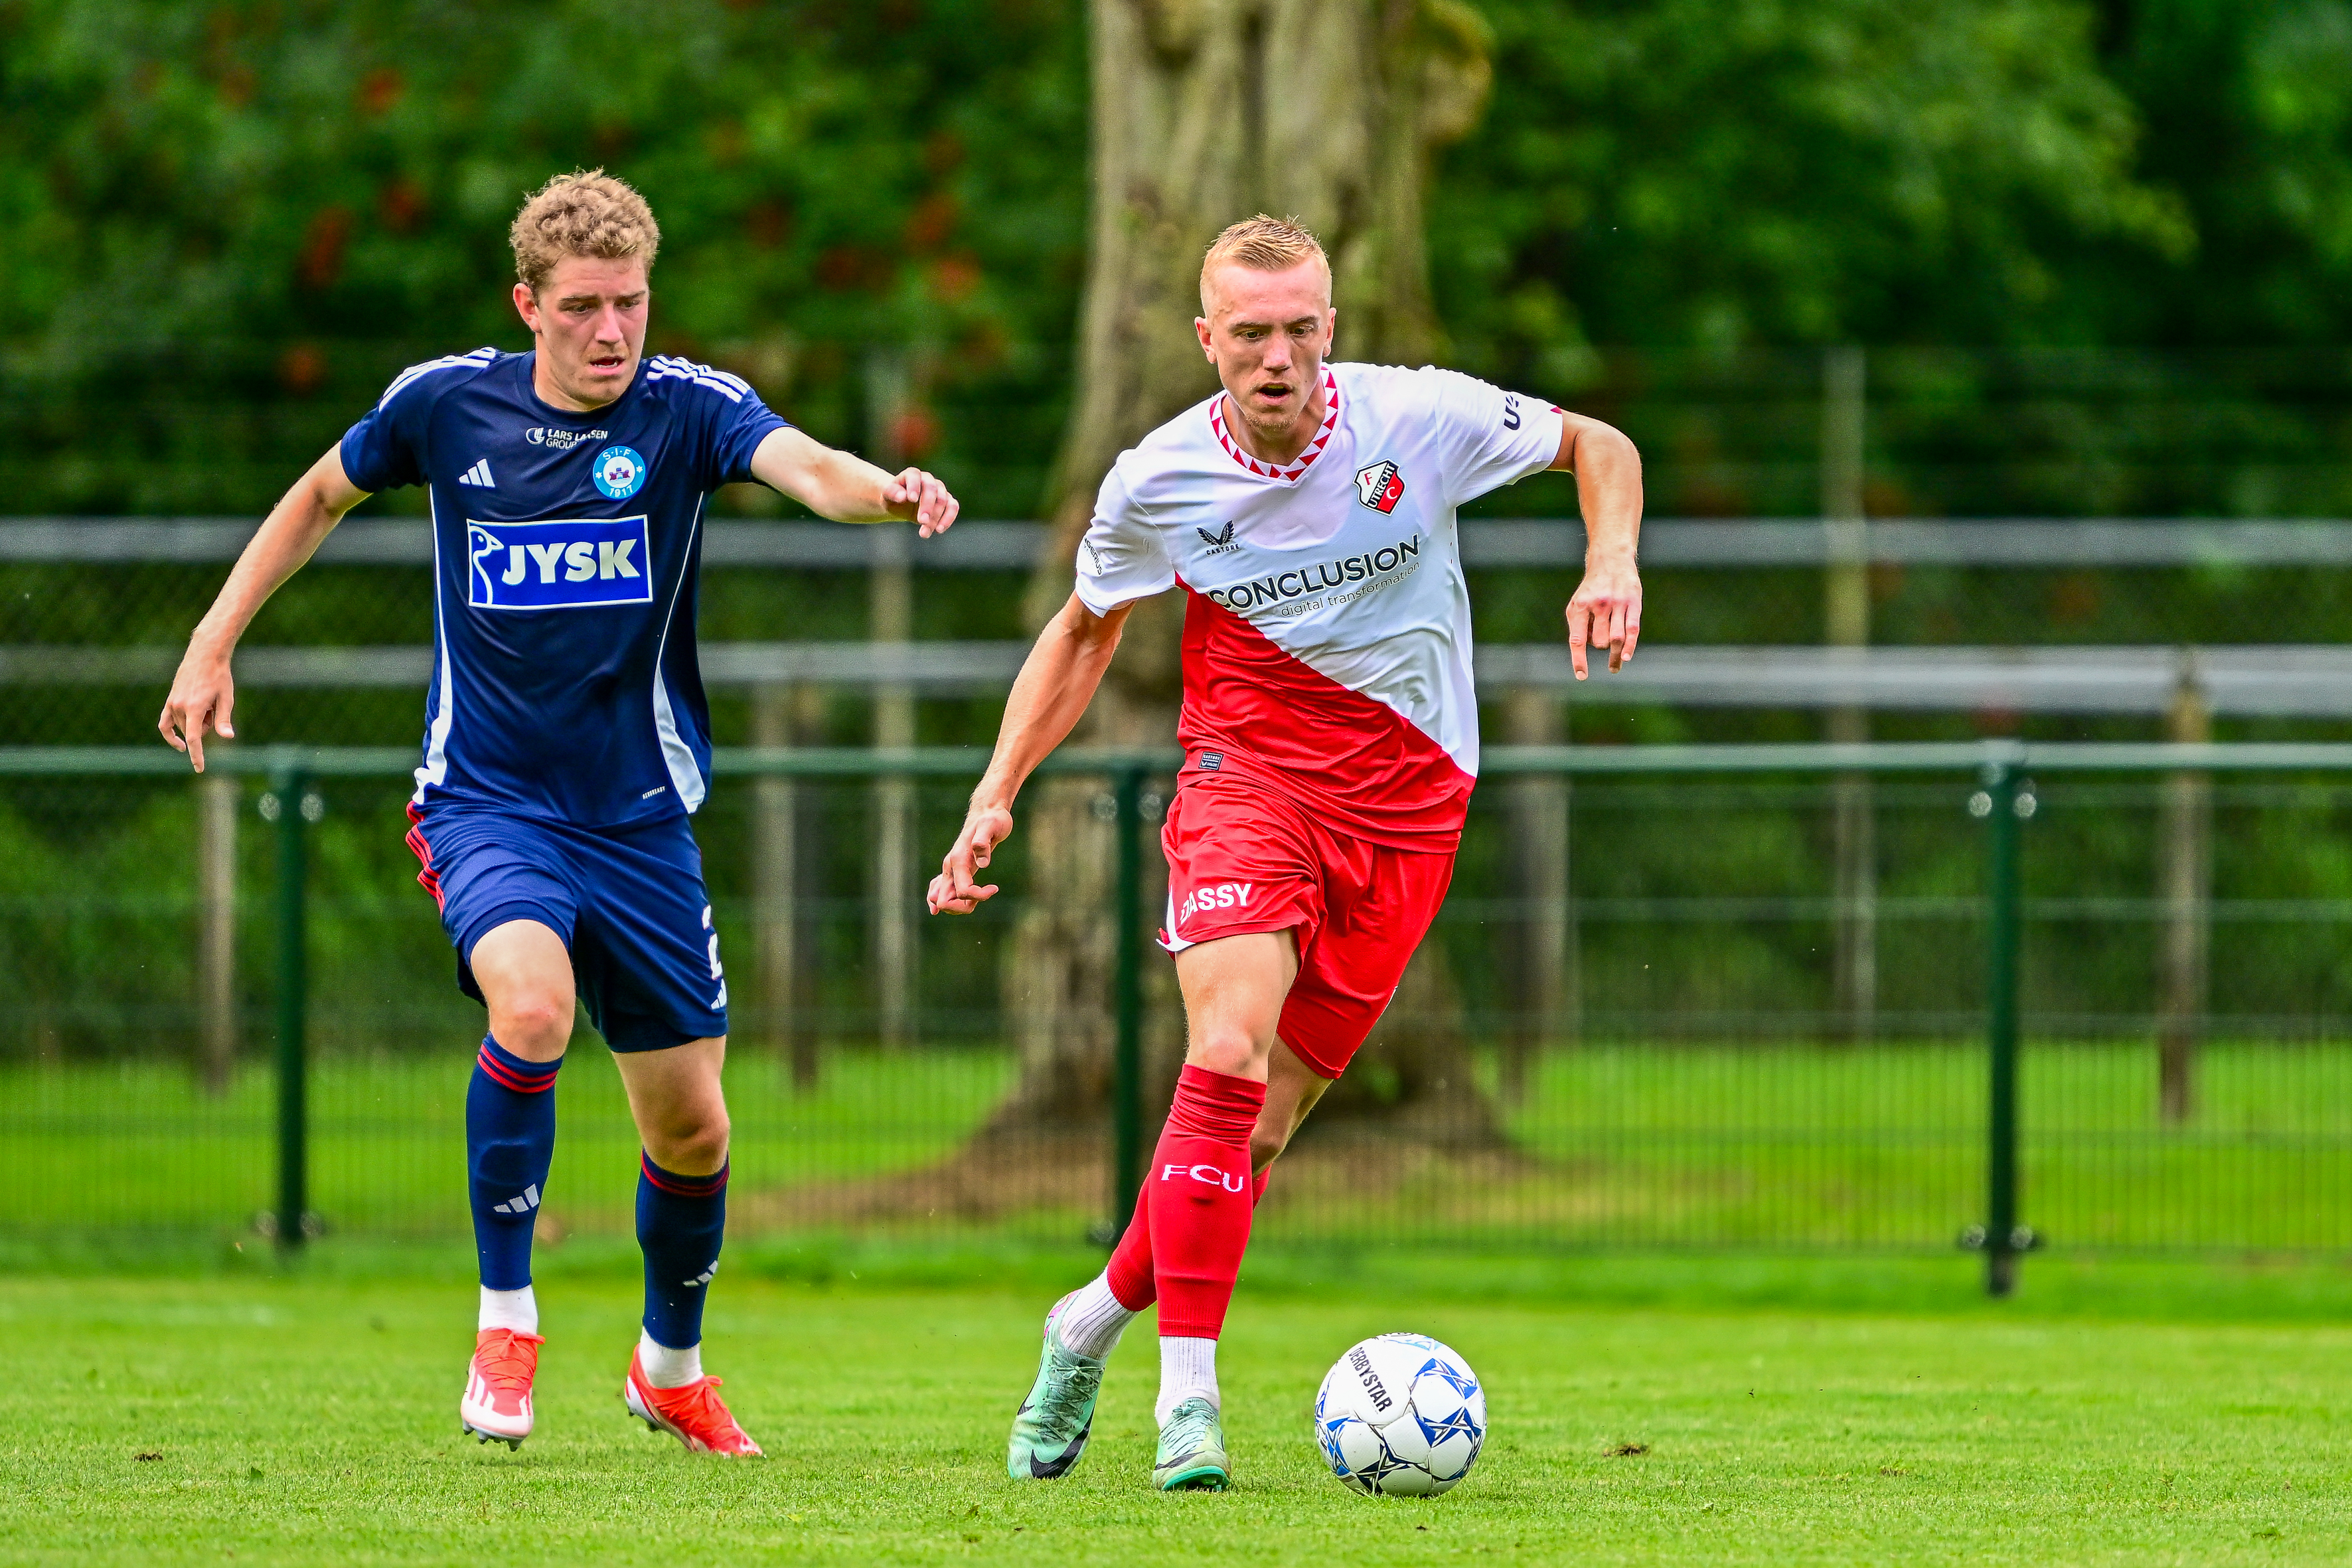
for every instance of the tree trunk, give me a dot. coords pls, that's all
(1206, 111)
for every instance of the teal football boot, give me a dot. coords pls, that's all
(1193, 1450)
(1051, 1428)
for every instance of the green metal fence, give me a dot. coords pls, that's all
(1663, 1078)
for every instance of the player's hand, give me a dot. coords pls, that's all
(956, 890)
(914, 496)
(202, 693)
(1605, 612)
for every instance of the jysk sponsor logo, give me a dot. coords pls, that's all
(1379, 487)
(565, 566)
(559, 440)
(620, 472)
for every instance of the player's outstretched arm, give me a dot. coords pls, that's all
(845, 488)
(1606, 609)
(202, 692)
(1056, 682)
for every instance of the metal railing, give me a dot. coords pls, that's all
(2287, 681)
(2004, 800)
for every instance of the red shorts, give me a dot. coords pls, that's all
(1243, 859)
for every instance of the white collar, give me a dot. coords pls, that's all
(1292, 471)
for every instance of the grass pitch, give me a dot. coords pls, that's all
(311, 1419)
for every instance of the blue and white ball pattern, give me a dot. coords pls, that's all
(1401, 1415)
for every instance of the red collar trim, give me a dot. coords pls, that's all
(1304, 459)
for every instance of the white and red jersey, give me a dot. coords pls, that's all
(1326, 623)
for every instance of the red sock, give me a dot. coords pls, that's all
(1129, 1273)
(1200, 1219)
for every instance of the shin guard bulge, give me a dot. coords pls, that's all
(680, 1222)
(1200, 1182)
(510, 1142)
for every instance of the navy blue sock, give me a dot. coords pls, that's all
(680, 1220)
(509, 1139)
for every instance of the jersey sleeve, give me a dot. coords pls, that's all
(736, 431)
(385, 449)
(724, 419)
(1122, 557)
(1490, 438)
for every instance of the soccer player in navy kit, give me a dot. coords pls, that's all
(566, 743)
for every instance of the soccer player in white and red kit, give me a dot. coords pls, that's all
(1330, 732)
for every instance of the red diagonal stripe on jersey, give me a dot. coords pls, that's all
(1354, 760)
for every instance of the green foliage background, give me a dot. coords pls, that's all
(2100, 253)
(276, 205)
(230, 221)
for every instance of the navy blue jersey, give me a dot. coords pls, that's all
(565, 550)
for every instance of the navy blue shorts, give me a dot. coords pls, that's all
(628, 904)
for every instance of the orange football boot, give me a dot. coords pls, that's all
(496, 1401)
(694, 1414)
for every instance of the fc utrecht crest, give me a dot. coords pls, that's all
(1379, 487)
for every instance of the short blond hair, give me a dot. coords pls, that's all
(1262, 244)
(584, 213)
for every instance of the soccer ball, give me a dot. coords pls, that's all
(1401, 1415)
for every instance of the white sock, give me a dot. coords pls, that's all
(1188, 1369)
(667, 1368)
(516, 1309)
(1093, 1321)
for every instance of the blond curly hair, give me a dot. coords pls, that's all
(584, 213)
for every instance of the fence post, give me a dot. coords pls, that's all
(219, 795)
(892, 413)
(1854, 984)
(1539, 960)
(2005, 801)
(1127, 1045)
(292, 806)
(897, 953)
(2184, 881)
(781, 716)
